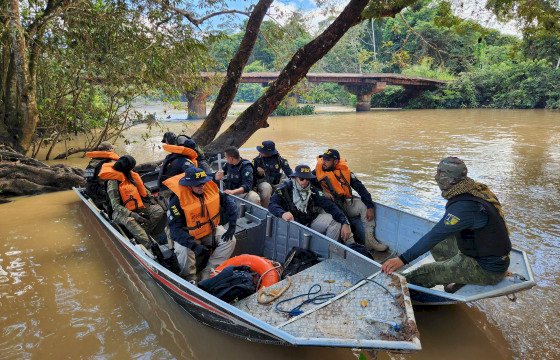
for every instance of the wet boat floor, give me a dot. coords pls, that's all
(355, 315)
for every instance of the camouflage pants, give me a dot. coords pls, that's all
(154, 214)
(451, 266)
(357, 210)
(222, 252)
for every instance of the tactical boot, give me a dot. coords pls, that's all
(372, 243)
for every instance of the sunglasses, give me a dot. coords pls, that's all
(302, 179)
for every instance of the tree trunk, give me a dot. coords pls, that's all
(25, 81)
(255, 116)
(210, 127)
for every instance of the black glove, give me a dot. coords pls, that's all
(228, 235)
(139, 218)
(202, 255)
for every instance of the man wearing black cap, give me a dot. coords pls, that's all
(268, 167)
(194, 222)
(296, 199)
(133, 205)
(239, 180)
(336, 179)
(470, 243)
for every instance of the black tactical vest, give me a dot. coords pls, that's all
(233, 180)
(491, 240)
(272, 167)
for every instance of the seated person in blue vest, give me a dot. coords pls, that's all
(181, 155)
(194, 223)
(270, 169)
(133, 205)
(297, 200)
(470, 243)
(239, 180)
(337, 181)
(95, 188)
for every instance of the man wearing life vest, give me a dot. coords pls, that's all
(270, 167)
(336, 179)
(297, 200)
(470, 243)
(194, 223)
(239, 180)
(95, 187)
(180, 156)
(133, 205)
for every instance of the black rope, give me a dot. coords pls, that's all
(315, 300)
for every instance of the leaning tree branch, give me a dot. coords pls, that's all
(191, 17)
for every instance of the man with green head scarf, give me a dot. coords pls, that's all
(470, 243)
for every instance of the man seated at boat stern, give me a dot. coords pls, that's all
(296, 199)
(133, 205)
(470, 243)
(239, 179)
(95, 187)
(270, 168)
(194, 223)
(337, 181)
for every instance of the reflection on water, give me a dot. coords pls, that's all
(65, 293)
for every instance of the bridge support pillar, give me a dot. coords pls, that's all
(364, 92)
(197, 103)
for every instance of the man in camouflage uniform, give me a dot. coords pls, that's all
(140, 222)
(470, 243)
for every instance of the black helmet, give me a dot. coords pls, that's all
(169, 138)
(124, 164)
(184, 140)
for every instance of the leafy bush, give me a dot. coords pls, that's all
(283, 110)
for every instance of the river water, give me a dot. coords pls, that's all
(64, 294)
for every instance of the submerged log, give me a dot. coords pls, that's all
(21, 175)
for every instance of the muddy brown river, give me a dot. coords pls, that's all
(65, 295)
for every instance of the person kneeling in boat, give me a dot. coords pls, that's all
(337, 181)
(181, 156)
(470, 243)
(194, 223)
(296, 199)
(133, 205)
(270, 168)
(95, 187)
(239, 180)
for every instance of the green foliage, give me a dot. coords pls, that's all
(284, 110)
(524, 85)
(329, 93)
(424, 69)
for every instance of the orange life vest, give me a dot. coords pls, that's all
(201, 216)
(181, 150)
(131, 194)
(102, 155)
(339, 178)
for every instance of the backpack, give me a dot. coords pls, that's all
(232, 283)
(299, 259)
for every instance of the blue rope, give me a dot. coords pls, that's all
(315, 300)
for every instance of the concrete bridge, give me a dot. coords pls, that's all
(361, 85)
